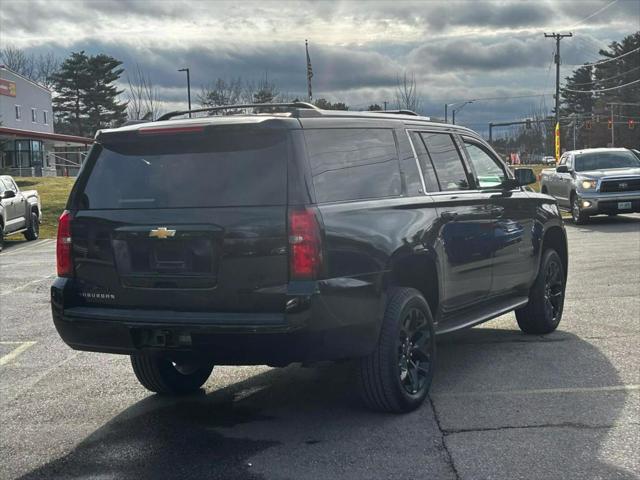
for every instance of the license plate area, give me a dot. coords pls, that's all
(187, 260)
(624, 205)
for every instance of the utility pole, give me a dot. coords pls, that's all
(613, 125)
(446, 106)
(385, 105)
(558, 37)
(188, 88)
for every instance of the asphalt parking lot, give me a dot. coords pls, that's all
(503, 405)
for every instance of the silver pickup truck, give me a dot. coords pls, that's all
(595, 181)
(20, 211)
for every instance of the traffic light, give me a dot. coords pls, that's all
(631, 124)
(609, 124)
(528, 124)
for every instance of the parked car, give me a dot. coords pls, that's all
(549, 160)
(20, 211)
(595, 181)
(300, 236)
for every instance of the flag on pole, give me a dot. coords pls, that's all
(309, 69)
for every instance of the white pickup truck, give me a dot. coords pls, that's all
(20, 210)
(595, 181)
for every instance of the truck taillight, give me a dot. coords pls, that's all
(63, 246)
(305, 248)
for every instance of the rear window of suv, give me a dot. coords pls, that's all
(353, 163)
(217, 168)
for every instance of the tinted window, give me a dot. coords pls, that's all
(604, 160)
(488, 172)
(220, 168)
(446, 161)
(425, 163)
(350, 164)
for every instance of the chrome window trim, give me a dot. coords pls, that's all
(415, 156)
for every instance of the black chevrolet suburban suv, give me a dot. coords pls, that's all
(300, 235)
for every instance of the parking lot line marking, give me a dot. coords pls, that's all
(28, 284)
(15, 352)
(29, 246)
(541, 391)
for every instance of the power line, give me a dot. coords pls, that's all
(594, 14)
(607, 79)
(602, 89)
(610, 59)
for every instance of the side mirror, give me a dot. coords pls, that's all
(8, 194)
(525, 176)
(562, 169)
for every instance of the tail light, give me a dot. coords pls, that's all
(63, 246)
(305, 248)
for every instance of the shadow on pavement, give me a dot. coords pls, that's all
(481, 400)
(607, 224)
(307, 423)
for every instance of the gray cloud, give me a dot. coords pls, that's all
(457, 49)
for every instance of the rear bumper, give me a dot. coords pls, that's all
(310, 334)
(609, 203)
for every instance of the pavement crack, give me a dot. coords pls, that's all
(445, 449)
(574, 425)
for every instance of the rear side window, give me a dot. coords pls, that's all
(428, 173)
(351, 164)
(446, 161)
(223, 167)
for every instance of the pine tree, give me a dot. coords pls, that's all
(86, 98)
(70, 83)
(101, 99)
(619, 66)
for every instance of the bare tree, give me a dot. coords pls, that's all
(221, 93)
(45, 66)
(407, 94)
(17, 60)
(142, 96)
(266, 91)
(39, 69)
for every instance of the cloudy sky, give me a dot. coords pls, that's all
(457, 50)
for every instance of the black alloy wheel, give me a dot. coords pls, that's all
(414, 351)
(543, 312)
(397, 375)
(553, 290)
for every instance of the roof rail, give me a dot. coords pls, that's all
(303, 105)
(397, 112)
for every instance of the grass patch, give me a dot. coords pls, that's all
(53, 192)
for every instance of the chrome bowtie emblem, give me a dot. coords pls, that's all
(162, 232)
(623, 185)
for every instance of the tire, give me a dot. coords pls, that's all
(578, 217)
(394, 378)
(546, 298)
(156, 372)
(33, 232)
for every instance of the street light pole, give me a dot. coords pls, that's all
(453, 112)
(188, 88)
